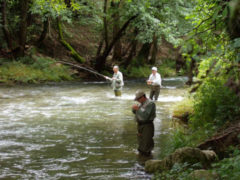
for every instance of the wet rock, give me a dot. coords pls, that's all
(182, 155)
(152, 166)
(203, 174)
(210, 155)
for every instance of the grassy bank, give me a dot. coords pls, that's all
(211, 110)
(33, 70)
(213, 106)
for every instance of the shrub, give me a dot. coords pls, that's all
(229, 167)
(214, 104)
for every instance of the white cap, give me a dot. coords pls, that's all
(115, 67)
(154, 68)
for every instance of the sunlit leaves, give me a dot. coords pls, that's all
(236, 43)
(55, 8)
(164, 18)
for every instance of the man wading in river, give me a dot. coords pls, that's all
(145, 113)
(117, 81)
(155, 82)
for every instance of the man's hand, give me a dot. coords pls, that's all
(107, 78)
(149, 82)
(135, 107)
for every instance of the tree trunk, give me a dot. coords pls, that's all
(73, 52)
(45, 31)
(4, 23)
(180, 62)
(24, 5)
(132, 54)
(143, 54)
(190, 72)
(100, 46)
(105, 24)
(133, 50)
(154, 50)
(101, 60)
(117, 50)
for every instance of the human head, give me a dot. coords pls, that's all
(154, 70)
(115, 69)
(140, 96)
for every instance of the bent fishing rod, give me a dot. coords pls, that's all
(86, 69)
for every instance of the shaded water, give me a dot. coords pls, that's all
(77, 130)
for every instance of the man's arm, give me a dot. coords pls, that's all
(160, 79)
(149, 81)
(108, 78)
(135, 107)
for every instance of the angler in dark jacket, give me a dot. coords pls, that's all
(145, 113)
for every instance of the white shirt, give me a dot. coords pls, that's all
(156, 79)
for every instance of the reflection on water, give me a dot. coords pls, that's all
(77, 131)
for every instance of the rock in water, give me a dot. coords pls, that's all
(181, 155)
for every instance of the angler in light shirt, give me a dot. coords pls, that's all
(117, 81)
(155, 82)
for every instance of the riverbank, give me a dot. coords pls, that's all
(209, 121)
(29, 70)
(216, 158)
(42, 69)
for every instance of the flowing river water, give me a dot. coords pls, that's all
(78, 130)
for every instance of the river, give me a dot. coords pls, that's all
(78, 130)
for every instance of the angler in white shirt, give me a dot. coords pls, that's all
(155, 82)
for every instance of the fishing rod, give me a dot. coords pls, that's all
(86, 69)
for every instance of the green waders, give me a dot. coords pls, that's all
(145, 138)
(155, 91)
(118, 93)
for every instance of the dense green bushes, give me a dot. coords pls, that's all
(214, 105)
(229, 168)
(29, 70)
